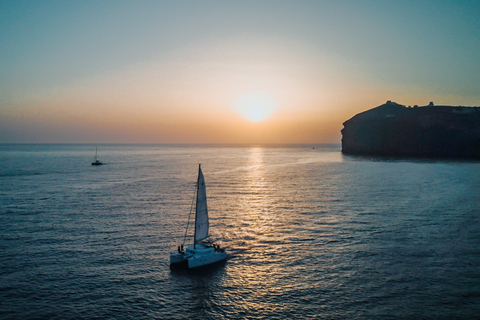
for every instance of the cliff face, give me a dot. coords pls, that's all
(394, 130)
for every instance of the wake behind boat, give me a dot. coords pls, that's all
(197, 254)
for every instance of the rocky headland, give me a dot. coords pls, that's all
(394, 130)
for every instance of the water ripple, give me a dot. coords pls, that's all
(310, 234)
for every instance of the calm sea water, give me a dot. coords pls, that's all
(311, 234)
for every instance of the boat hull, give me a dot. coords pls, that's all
(199, 261)
(198, 256)
(177, 258)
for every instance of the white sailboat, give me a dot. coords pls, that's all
(96, 162)
(197, 254)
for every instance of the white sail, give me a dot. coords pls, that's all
(201, 214)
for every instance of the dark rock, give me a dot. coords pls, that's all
(393, 130)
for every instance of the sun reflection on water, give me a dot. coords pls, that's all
(257, 230)
(269, 228)
(256, 204)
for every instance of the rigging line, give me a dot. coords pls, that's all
(196, 208)
(190, 214)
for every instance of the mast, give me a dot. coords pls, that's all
(196, 209)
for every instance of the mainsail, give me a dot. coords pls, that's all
(201, 214)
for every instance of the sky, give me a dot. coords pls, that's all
(229, 72)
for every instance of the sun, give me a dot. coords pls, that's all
(255, 106)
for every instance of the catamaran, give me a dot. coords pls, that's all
(197, 254)
(96, 162)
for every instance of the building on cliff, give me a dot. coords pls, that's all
(393, 130)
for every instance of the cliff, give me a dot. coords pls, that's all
(394, 130)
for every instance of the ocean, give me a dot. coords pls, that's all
(310, 233)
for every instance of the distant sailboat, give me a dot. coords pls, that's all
(96, 162)
(197, 255)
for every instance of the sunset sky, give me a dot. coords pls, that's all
(226, 71)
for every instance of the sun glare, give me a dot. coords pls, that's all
(255, 106)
